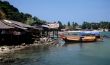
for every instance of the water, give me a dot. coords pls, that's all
(97, 53)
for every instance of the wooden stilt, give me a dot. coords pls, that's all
(57, 33)
(53, 33)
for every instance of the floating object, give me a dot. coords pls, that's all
(86, 36)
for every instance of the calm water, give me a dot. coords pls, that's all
(97, 53)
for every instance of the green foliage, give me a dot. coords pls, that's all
(104, 25)
(86, 25)
(8, 11)
(60, 25)
(74, 25)
(38, 21)
(2, 14)
(101, 25)
(68, 23)
(29, 21)
(95, 25)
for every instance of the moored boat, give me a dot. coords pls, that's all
(71, 39)
(83, 37)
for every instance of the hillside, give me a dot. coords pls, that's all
(8, 11)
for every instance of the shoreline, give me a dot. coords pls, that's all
(5, 50)
(13, 48)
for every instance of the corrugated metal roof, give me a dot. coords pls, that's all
(37, 27)
(16, 24)
(7, 24)
(4, 26)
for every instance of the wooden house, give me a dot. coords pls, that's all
(49, 30)
(13, 33)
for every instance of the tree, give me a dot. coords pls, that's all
(94, 25)
(2, 14)
(29, 21)
(74, 24)
(68, 24)
(8, 11)
(86, 25)
(64, 26)
(104, 24)
(60, 25)
(38, 21)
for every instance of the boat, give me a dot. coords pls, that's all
(71, 39)
(83, 37)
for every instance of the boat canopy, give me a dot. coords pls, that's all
(96, 33)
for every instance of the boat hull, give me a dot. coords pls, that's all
(81, 40)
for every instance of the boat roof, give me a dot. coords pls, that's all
(90, 32)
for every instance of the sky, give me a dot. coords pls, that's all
(66, 10)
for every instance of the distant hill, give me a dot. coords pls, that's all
(8, 11)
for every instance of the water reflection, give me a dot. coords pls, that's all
(73, 44)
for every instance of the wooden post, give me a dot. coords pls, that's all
(53, 33)
(57, 33)
(41, 33)
(47, 32)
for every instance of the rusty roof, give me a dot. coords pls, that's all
(4, 26)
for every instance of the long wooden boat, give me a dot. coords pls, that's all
(83, 38)
(79, 39)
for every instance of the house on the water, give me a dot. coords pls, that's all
(49, 30)
(14, 33)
